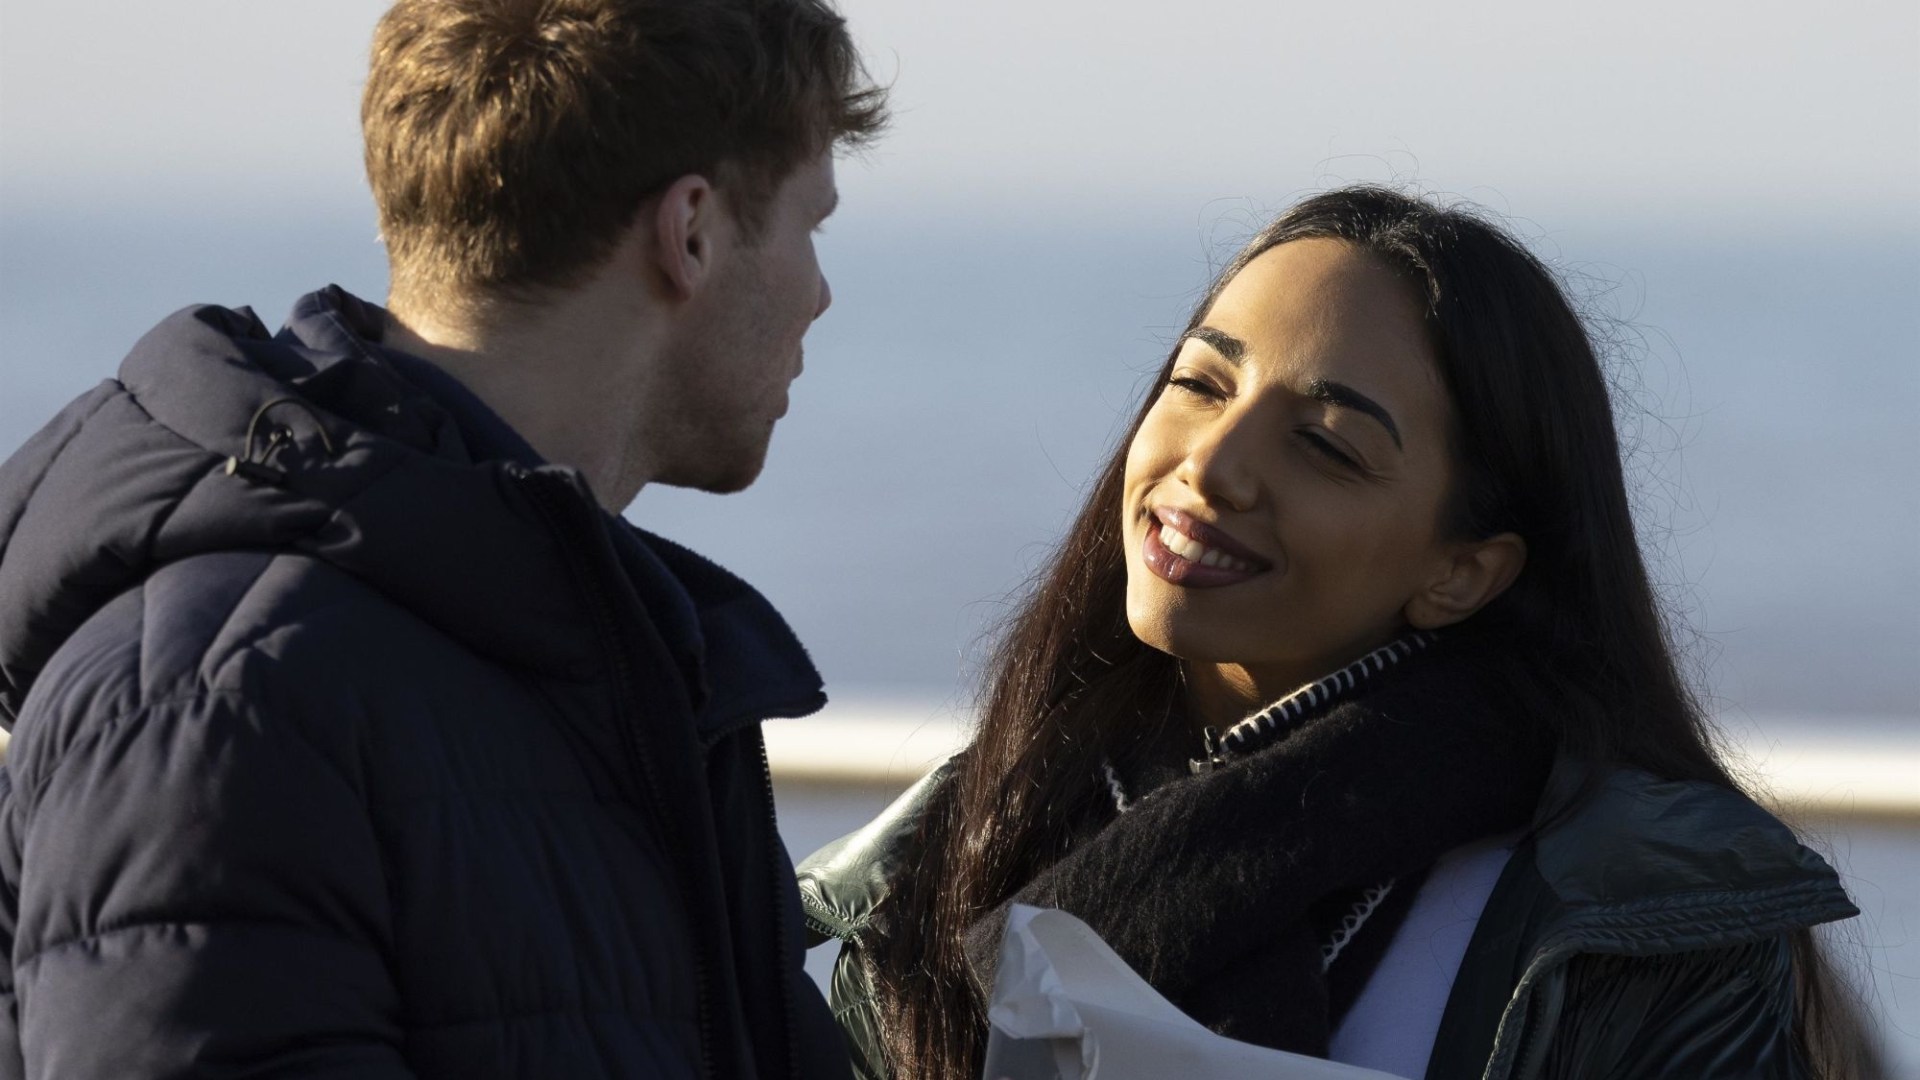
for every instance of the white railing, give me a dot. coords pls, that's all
(1843, 768)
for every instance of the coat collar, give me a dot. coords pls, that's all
(398, 477)
(1626, 836)
(1623, 863)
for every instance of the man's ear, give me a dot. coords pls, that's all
(686, 225)
(1476, 573)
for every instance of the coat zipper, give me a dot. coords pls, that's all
(780, 883)
(1281, 718)
(554, 505)
(1212, 755)
(814, 924)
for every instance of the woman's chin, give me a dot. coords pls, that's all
(1169, 633)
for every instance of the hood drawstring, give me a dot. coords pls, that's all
(247, 468)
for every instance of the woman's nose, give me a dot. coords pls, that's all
(1221, 466)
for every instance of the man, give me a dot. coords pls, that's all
(354, 734)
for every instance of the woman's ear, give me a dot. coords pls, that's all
(1471, 577)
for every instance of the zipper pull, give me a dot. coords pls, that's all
(1215, 758)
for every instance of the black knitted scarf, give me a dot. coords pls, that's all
(1257, 889)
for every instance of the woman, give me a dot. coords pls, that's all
(1351, 644)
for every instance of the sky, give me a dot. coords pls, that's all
(1739, 182)
(1727, 111)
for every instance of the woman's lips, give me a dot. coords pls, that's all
(1206, 558)
(1189, 526)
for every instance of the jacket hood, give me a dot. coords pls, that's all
(220, 436)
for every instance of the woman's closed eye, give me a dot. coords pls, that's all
(1196, 386)
(1325, 447)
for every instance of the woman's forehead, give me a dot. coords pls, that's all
(1324, 309)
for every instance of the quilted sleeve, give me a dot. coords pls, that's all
(200, 894)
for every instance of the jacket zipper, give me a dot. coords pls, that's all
(554, 505)
(1279, 719)
(1212, 755)
(814, 924)
(780, 883)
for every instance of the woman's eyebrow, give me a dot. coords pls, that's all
(1221, 342)
(1341, 394)
(1333, 393)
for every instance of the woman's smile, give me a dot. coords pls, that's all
(1187, 552)
(1297, 449)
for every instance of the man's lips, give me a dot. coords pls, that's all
(1192, 554)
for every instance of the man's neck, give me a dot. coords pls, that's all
(568, 376)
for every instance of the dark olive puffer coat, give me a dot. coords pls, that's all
(1641, 935)
(349, 741)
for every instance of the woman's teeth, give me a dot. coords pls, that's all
(1194, 551)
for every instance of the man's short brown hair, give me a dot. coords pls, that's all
(509, 142)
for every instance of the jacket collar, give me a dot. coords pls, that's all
(740, 659)
(743, 661)
(1636, 858)
(1622, 863)
(388, 471)
(334, 321)
(844, 883)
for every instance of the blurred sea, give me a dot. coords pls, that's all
(972, 374)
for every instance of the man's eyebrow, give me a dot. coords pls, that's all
(1222, 342)
(1341, 394)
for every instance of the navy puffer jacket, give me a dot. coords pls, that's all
(350, 740)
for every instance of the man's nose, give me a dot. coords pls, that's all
(826, 297)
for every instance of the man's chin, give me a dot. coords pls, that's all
(719, 475)
(727, 485)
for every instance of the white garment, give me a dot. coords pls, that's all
(1392, 1024)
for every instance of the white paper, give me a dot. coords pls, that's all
(1065, 1007)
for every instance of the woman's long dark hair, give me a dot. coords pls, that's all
(1068, 686)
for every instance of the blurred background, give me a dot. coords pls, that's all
(1733, 191)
